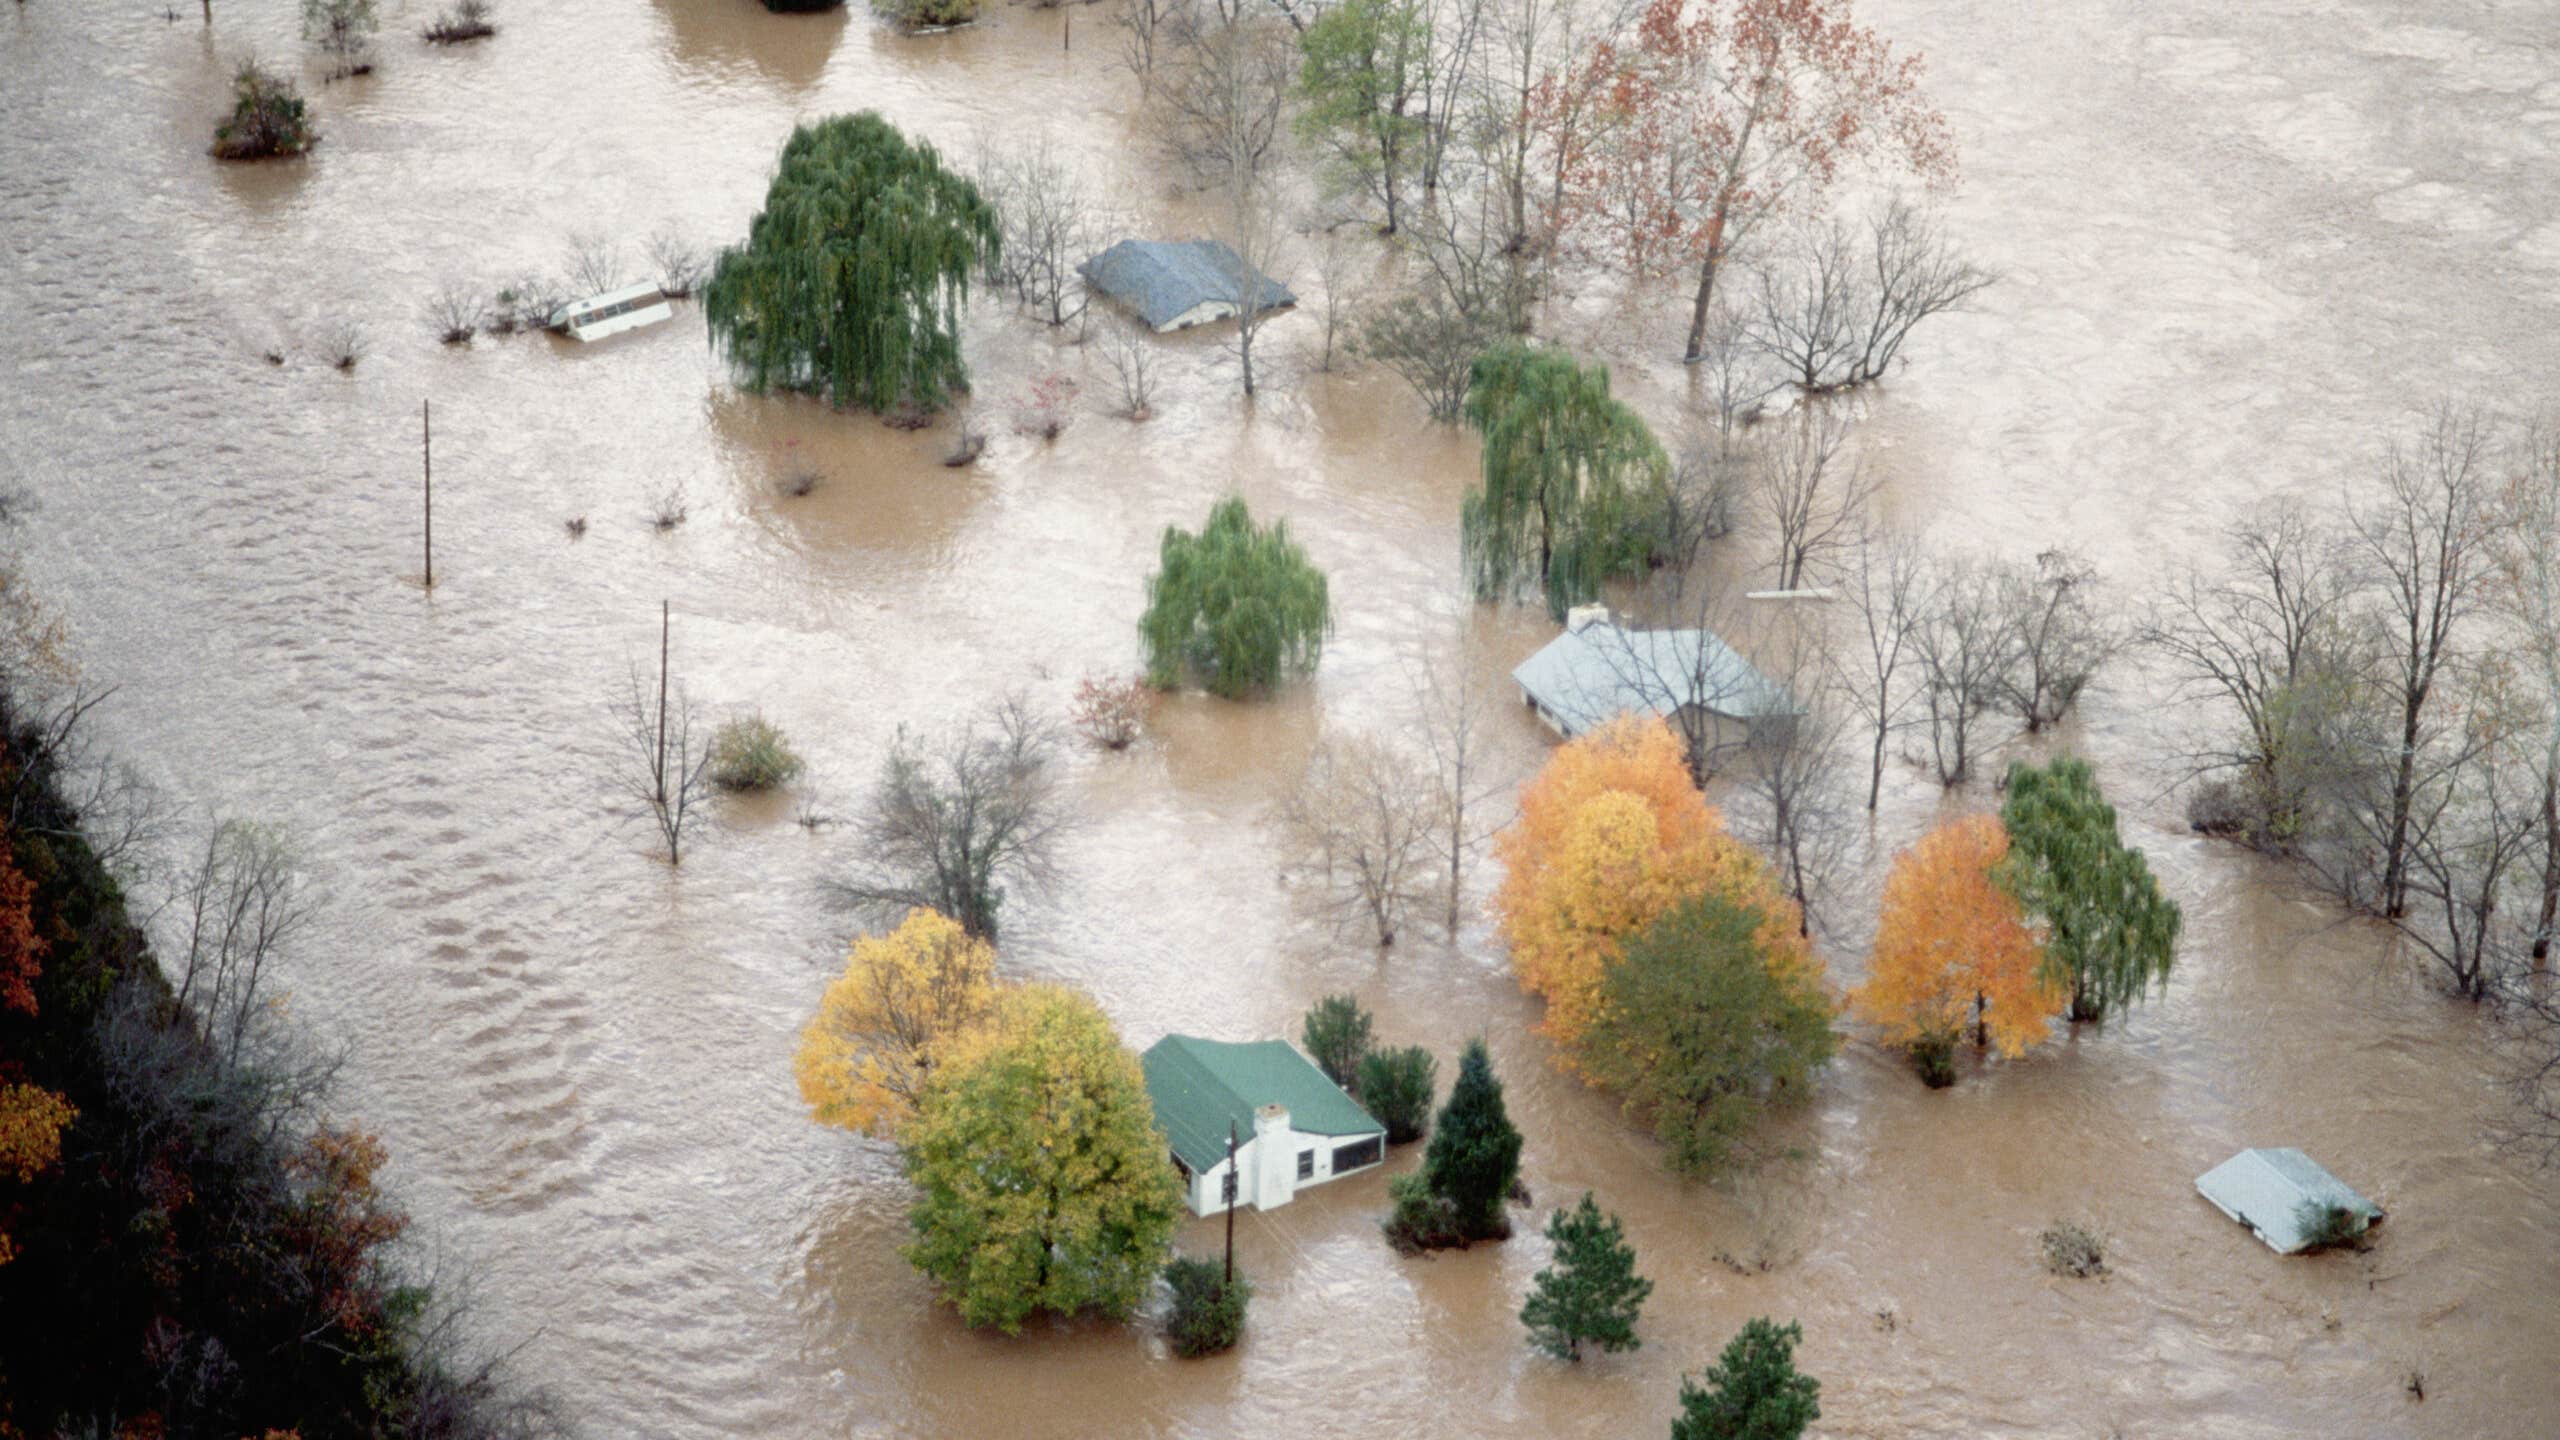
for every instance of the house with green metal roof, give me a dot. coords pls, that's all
(1289, 1125)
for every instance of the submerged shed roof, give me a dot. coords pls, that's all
(1595, 672)
(1201, 1087)
(1163, 280)
(2267, 1191)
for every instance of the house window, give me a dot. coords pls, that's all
(1356, 1154)
(1227, 1189)
(1306, 1164)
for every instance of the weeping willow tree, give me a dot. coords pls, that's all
(1237, 605)
(2108, 931)
(1575, 488)
(852, 278)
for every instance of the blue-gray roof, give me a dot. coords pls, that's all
(1164, 279)
(1202, 1088)
(2266, 1190)
(1591, 675)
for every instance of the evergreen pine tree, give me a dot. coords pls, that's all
(1474, 1156)
(1591, 1292)
(1752, 1392)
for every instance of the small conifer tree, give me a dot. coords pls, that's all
(1592, 1292)
(1752, 1392)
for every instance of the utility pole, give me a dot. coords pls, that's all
(659, 771)
(427, 453)
(1237, 1181)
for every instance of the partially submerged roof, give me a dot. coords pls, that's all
(1596, 671)
(2268, 1190)
(1201, 1087)
(1163, 280)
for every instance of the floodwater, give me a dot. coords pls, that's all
(2238, 241)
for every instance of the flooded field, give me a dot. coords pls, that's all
(2237, 242)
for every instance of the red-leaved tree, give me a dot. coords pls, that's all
(1715, 116)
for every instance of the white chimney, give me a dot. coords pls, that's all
(1275, 1156)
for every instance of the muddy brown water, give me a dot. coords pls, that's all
(2237, 242)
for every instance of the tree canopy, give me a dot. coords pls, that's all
(1592, 1293)
(852, 278)
(1474, 1156)
(1573, 486)
(1039, 1170)
(1610, 836)
(903, 997)
(2108, 931)
(1752, 1392)
(1363, 78)
(1336, 1036)
(1953, 947)
(1703, 1027)
(1238, 605)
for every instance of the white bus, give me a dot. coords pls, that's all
(611, 313)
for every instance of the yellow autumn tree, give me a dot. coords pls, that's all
(1952, 949)
(31, 1122)
(1612, 835)
(883, 1024)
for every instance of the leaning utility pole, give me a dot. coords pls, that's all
(427, 453)
(1235, 1189)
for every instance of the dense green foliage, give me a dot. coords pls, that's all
(853, 275)
(1363, 76)
(1336, 1036)
(1575, 488)
(1397, 1087)
(1467, 1172)
(1592, 1293)
(208, 1257)
(1702, 1034)
(1039, 1171)
(1752, 1392)
(2108, 930)
(750, 753)
(1238, 605)
(268, 117)
(1207, 1314)
(927, 14)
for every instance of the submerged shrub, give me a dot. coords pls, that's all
(750, 753)
(1396, 1086)
(2326, 1227)
(2073, 1250)
(467, 20)
(925, 14)
(268, 117)
(1207, 1315)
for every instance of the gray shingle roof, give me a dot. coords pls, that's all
(2266, 1190)
(1590, 676)
(1164, 279)
(1200, 1087)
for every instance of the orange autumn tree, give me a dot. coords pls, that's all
(1612, 835)
(882, 1025)
(1953, 948)
(31, 1117)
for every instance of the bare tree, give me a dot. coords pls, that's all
(2427, 542)
(1050, 225)
(1889, 586)
(1964, 644)
(2471, 840)
(1338, 264)
(456, 313)
(1786, 778)
(2531, 569)
(1837, 308)
(1359, 827)
(661, 764)
(1814, 500)
(593, 263)
(1704, 689)
(1223, 77)
(954, 822)
(1253, 239)
(2264, 638)
(2529, 1047)
(1454, 711)
(680, 263)
(1142, 23)
(1806, 318)
(1458, 304)
(238, 908)
(2063, 636)
(1132, 358)
(1913, 273)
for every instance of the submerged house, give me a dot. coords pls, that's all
(1292, 1127)
(2285, 1198)
(1598, 670)
(1176, 284)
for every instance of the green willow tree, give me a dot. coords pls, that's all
(2108, 931)
(1363, 79)
(853, 276)
(1575, 488)
(1238, 605)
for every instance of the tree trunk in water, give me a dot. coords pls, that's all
(1706, 302)
(2550, 868)
(1981, 1020)
(1875, 776)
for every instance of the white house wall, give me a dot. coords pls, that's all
(1206, 1194)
